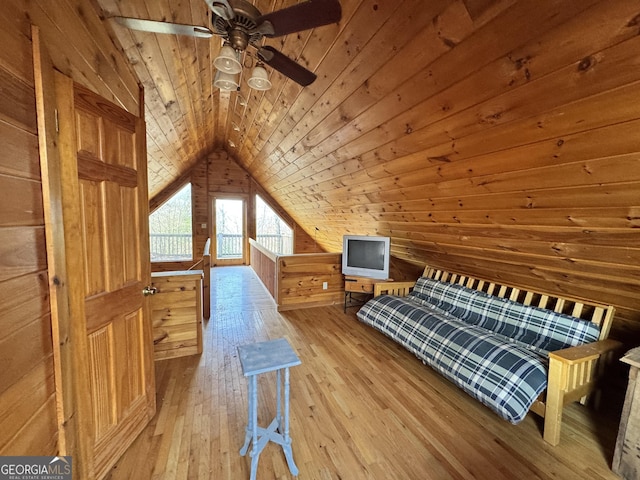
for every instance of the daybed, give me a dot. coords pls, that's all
(514, 350)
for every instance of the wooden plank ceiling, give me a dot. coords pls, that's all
(499, 137)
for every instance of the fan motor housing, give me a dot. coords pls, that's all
(240, 31)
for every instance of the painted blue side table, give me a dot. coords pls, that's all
(260, 358)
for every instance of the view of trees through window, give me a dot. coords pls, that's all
(229, 228)
(170, 229)
(271, 231)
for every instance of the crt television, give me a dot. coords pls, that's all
(365, 256)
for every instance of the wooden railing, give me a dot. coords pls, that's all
(264, 264)
(205, 264)
(206, 281)
(279, 244)
(229, 245)
(169, 247)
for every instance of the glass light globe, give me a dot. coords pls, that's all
(226, 81)
(227, 60)
(259, 79)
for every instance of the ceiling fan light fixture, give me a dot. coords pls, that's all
(259, 79)
(227, 61)
(226, 81)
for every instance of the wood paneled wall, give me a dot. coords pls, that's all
(26, 350)
(226, 176)
(81, 48)
(492, 137)
(495, 138)
(218, 175)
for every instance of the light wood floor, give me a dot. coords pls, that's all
(362, 408)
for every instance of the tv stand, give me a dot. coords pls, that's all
(362, 287)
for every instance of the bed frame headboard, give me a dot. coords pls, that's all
(600, 314)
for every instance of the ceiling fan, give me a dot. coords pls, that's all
(240, 24)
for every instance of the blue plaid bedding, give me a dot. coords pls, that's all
(541, 330)
(504, 376)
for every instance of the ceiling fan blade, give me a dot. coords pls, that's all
(299, 17)
(154, 26)
(221, 8)
(280, 62)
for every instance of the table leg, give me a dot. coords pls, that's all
(249, 430)
(279, 400)
(288, 453)
(255, 453)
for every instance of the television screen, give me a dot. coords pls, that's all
(365, 256)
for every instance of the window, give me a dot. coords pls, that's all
(170, 229)
(271, 231)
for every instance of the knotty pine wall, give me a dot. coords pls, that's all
(506, 146)
(218, 174)
(494, 138)
(80, 48)
(227, 177)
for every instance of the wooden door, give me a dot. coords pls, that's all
(113, 227)
(97, 244)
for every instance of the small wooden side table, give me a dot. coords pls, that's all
(361, 286)
(274, 355)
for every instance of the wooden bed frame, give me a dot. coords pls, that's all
(574, 373)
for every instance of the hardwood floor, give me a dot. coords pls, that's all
(361, 406)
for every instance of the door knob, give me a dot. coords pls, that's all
(149, 290)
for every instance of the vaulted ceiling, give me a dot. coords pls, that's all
(497, 137)
(372, 66)
(186, 116)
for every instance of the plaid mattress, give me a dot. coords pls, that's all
(502, 375)
(533, 327)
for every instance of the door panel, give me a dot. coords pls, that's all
(113, 213)
(100, 350)
(91, 206)
(131, 247)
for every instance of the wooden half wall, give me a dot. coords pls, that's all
(298, 281)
